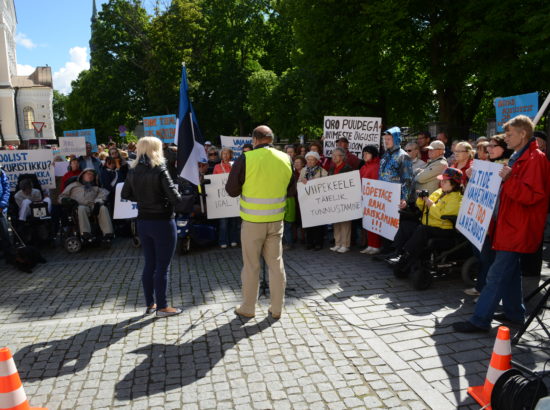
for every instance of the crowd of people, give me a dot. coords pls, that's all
(432, 173)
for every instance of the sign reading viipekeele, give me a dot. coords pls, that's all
(332, 199)
(360, 132)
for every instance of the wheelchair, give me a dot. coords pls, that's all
(37, 229)
(73, 241)
(441, 258)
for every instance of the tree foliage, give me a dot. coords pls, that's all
(290, 62)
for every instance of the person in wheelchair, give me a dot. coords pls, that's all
(91, 200)
(437, 212)
(26, 197)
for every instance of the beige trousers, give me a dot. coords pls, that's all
(262, 239)
(103, 218)
(342, 233)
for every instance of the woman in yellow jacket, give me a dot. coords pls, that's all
(410, 241)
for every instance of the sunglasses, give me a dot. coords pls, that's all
(213, 155)
(409, 150)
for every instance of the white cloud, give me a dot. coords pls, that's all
(25, 69)
(23, 40)
(69, 72)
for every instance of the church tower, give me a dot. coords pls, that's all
(93, 20)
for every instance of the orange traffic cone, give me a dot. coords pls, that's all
(12, 394)
(500, 362)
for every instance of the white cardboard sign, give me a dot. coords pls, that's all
(34, 161)
(332, 199)
(381, 207)
(478, 202)
(72, 146)
(218, 202)
(360, 132)
(124, 209)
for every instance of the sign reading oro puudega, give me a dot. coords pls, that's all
(360, 132)
(381, 207)
(35, 161)
(124, 209)
(478, 202)
(218, 202)
(332, 199)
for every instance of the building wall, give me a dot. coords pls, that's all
(40, 99)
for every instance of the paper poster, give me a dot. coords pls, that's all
(218, 202)
(360, 132)
(161, 126)
(124, 209)
(381, 207)
(235, 143)
(510, 107)
(35, 161)
(332, 199)
(72, 146)
(89, 134)
(478, 202)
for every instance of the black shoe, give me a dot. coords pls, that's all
(467, 327)
(501, 317)
(87, 237)
(318, 247)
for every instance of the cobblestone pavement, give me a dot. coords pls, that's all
(352, 336)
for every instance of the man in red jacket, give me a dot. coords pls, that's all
(521, 218)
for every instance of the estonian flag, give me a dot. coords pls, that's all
(190, 151)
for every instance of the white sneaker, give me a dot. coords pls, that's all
(367, 250)
(234, 244)
(343, 249)
(373, 251)
(223, 246)
(471, 292)
(335, 248)
(476, 299)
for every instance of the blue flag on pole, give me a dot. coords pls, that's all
(188, 136)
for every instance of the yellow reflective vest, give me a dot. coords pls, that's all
(268, 173)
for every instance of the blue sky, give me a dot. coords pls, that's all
(55, 33)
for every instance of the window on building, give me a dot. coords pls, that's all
(28, 114)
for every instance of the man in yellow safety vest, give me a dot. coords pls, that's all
(262, 177)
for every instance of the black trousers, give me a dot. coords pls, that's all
(314, 235)
(419, 239)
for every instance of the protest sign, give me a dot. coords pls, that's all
(479, 201)
(218, 202)
(235, 143)
(124, 209)
(332, 199)
(510, 107)
(72, 146)
(61, 168)
(36, 161)
(89, 134)
(360, 132)
(161, 126)
(381, 207)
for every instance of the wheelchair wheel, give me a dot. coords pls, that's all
(73, 244)
(470, 270)
(185, 245)
(400, 271)
(421, 278)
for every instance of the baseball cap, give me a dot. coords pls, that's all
(453, 174)
(436, 145)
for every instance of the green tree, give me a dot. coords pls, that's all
(59, 115)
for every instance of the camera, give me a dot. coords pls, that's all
(423, 194)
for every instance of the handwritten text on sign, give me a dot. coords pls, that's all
(163, 127)
(72, 146)
(36, 161)
(332, 199)
(235, 143)
(381, 207)
(218, 202)
(359, 131)
(510, 107)
(479, 201)
(89, 134)
(124, 209)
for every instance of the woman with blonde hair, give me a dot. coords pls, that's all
(150, 185)
(464, 157)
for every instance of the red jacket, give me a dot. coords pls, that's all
(523, 204)
(370, 169)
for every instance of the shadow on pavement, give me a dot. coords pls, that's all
(169, 367)
(69, 356)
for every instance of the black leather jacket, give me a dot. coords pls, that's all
(153, 190)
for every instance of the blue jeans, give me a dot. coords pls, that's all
(486, 258)
(288, 235)
(228, 231)
(503, 283)
(158, 240)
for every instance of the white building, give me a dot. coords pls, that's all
(23, 99)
